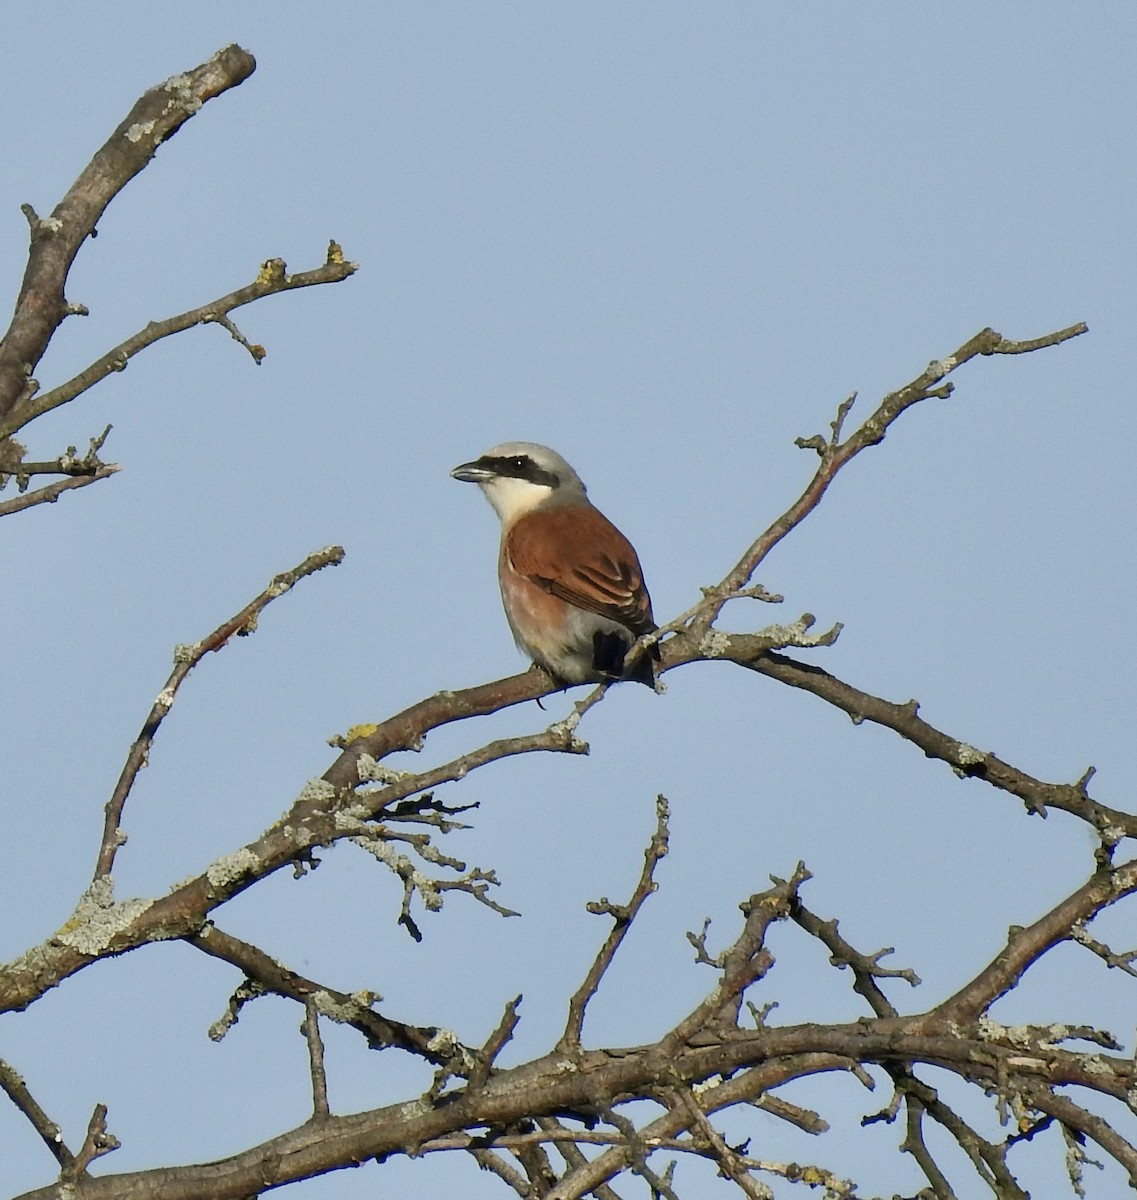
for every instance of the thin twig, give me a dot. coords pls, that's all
(866, 968)
(495, 1044)
(489, 1161)
(730, 1162)
(55, 240)
(97, 1143)
(17, 1091)
(915, 1145)
(271, 279)
(52, 492)
(622, 918)
(310, 1027)
(835, 454)
(355, 1010)
(185, 659)
(565, 1140)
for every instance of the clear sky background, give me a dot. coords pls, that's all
(665, 238)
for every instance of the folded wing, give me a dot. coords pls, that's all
(578, 555)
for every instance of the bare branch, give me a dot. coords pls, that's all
(915, 1145)
(622, 916)
(17, 1091)
(489, 1161)
(270, 279)
(730, 1162)
(97, 1143)
(185, 659)
(52, 492)
(1026, 945)
(988, 1160)
(355, 1009)
(967, 761)
(638, 1151)
(495, 1044)
(835, 454)
(1090, 1125)
(565, 1140)
(745, 961)
(866, 968)
(55, 240)
(310, 1027)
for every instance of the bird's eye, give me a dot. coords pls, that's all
(518, 462)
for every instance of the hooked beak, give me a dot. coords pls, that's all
(472, 472)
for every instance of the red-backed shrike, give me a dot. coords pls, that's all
(571, 583)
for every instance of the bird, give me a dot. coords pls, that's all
(571, 583)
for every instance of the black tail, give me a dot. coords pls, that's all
(609, 658)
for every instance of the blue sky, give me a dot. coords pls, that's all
(666, 239)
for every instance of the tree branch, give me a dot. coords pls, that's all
(835, 454)
(42, 303)
(185, 659)
(622, 916)
(52, 1136)
(355, 1009)
(271, 279)
(52, 492)
(310, 1027)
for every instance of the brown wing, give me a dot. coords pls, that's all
(577, 554)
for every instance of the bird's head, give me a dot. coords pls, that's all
(518, 477)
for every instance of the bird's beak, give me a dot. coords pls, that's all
(471, 472)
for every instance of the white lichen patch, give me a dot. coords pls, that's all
(355, 1006)
(445, 1042)
(140, 130)
(165, 697)
(51, 225)
(357, 812)
(315, 791)
(714, 644)
(351, 823)
(992, 1031)
(180, 88)
(1096, 1065)
(968, 756)
(298, 835)
(229, 869)
(370, 770)
(97, 919)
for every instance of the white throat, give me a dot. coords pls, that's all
(513, 498)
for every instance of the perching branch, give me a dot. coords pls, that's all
(835, 454)
(710, 1060)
